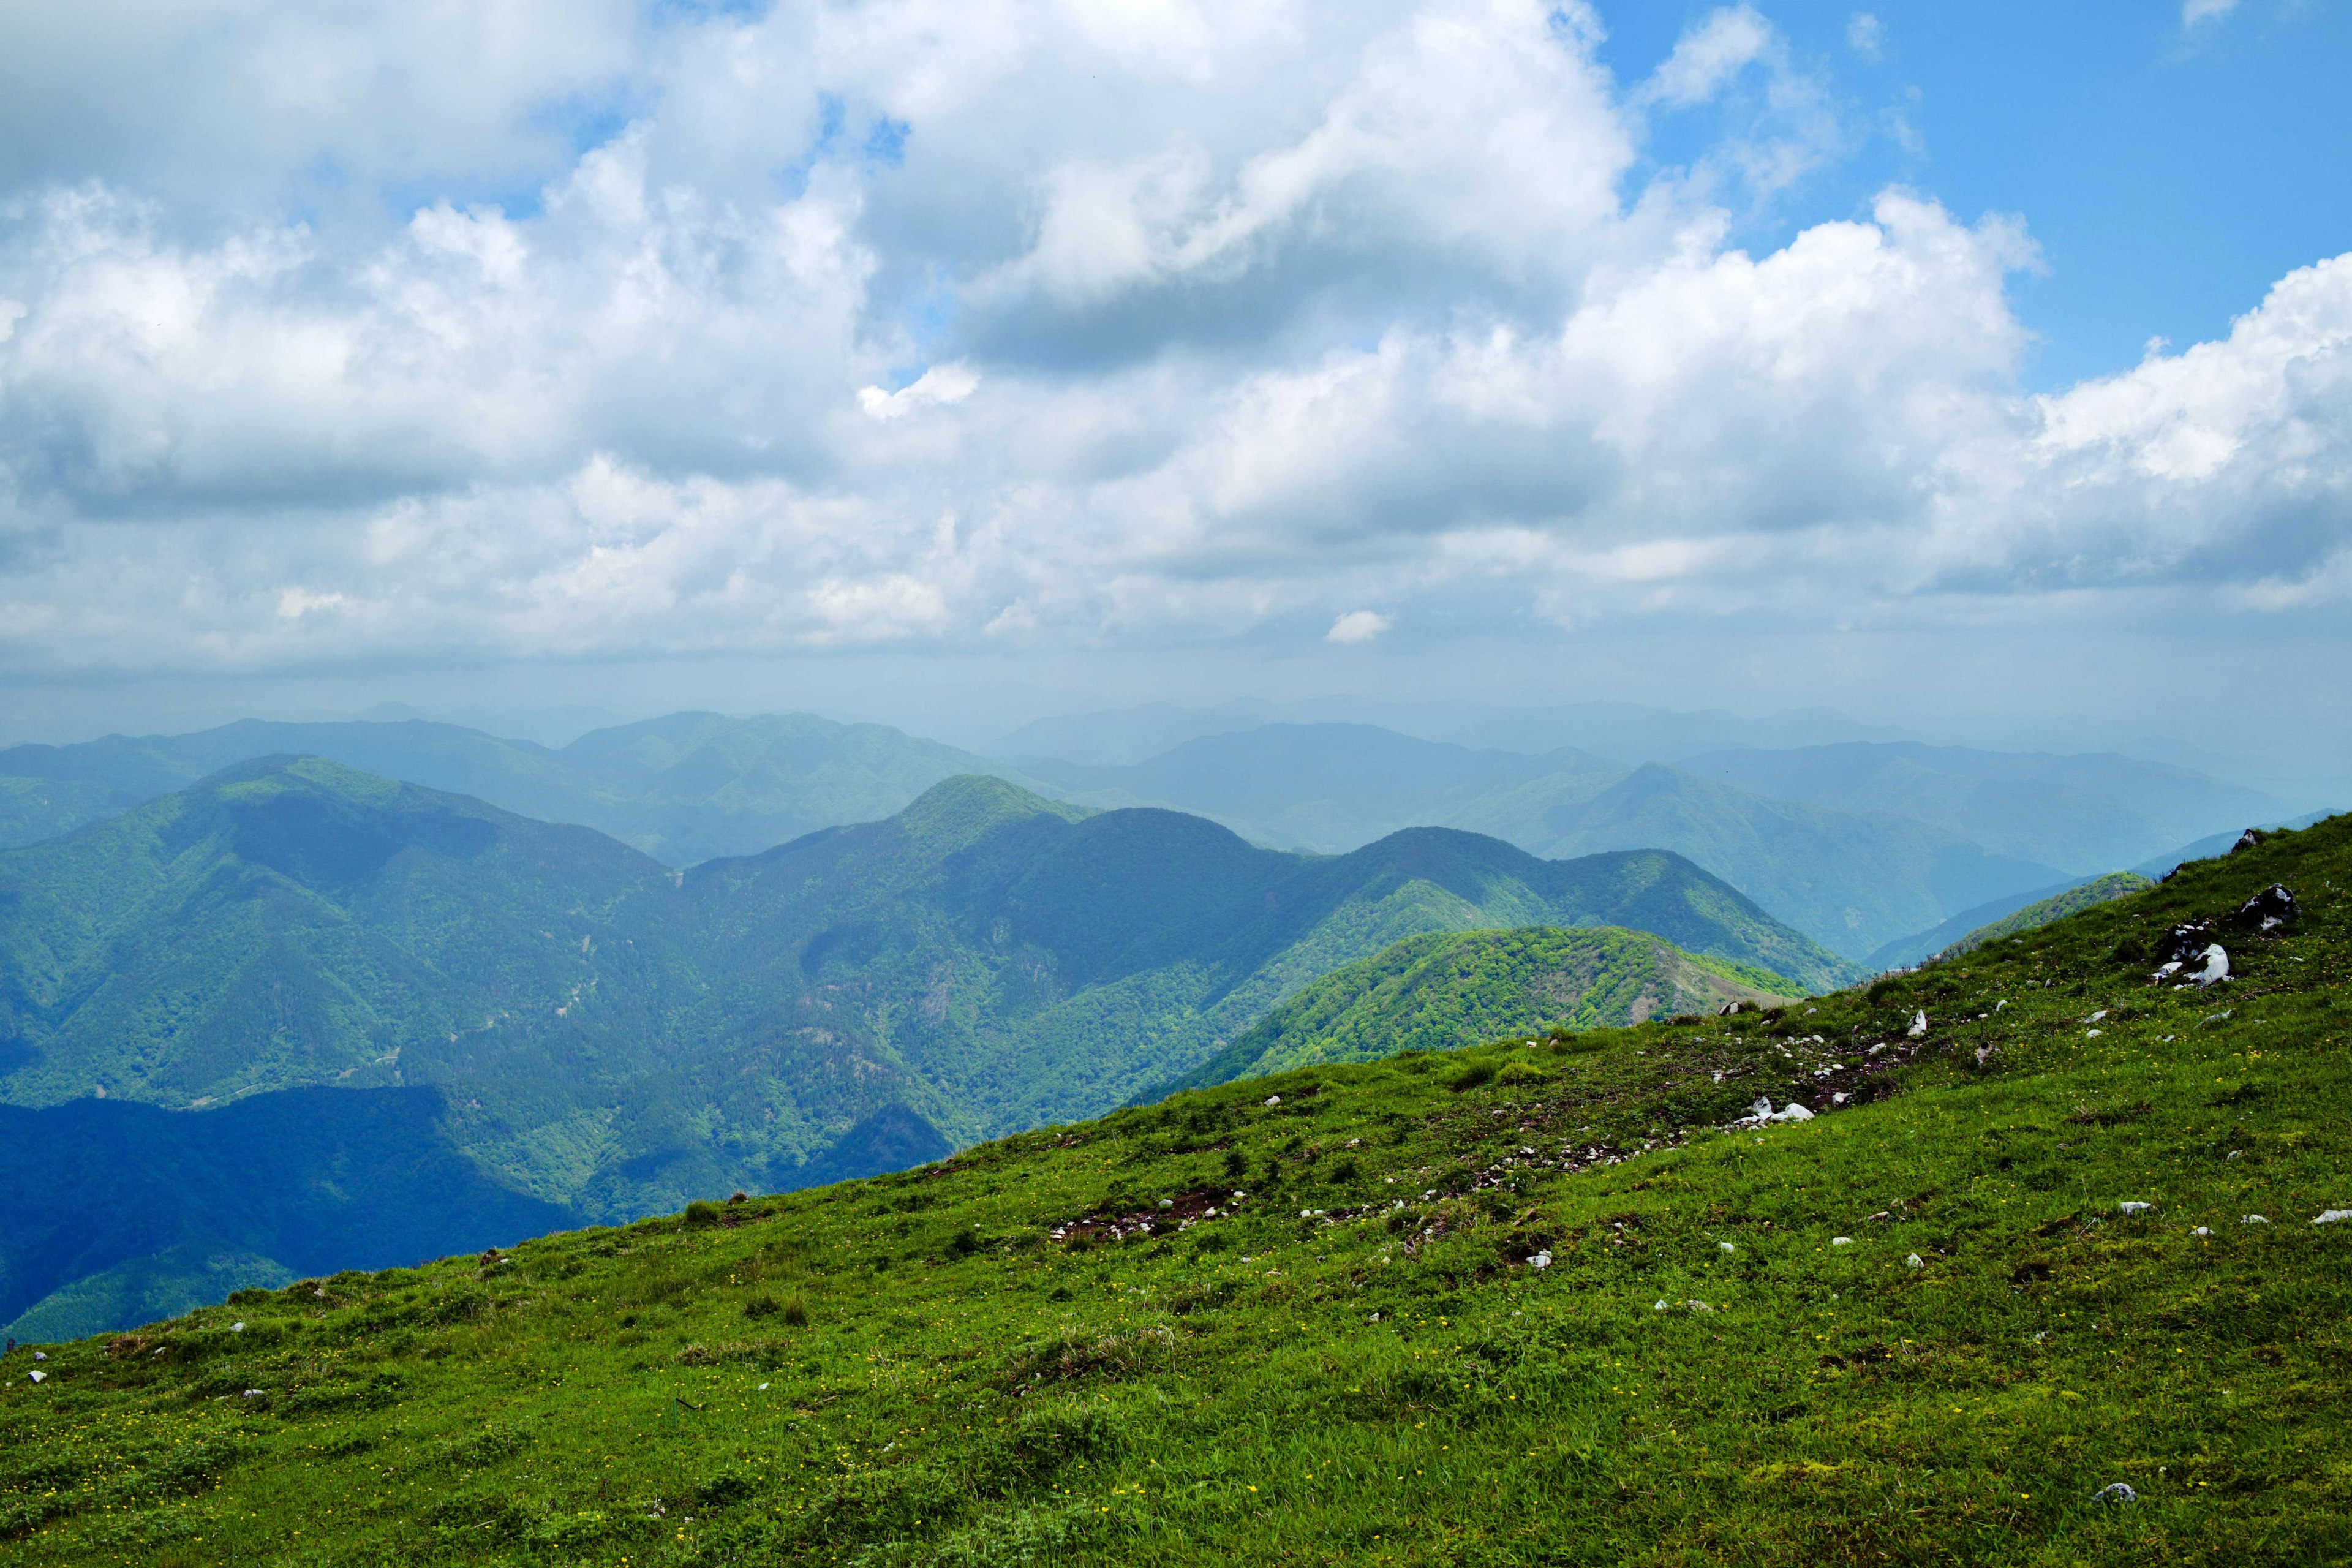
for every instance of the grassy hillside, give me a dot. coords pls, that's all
(1433, 992)
(1521, 1304)
(2097, 891)
(683, 788)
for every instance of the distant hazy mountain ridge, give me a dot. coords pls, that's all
(683, 788)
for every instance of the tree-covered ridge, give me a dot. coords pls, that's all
(1432, 992)
(2097, 891)
(2028, 1286)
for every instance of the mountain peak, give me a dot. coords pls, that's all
(959, 809)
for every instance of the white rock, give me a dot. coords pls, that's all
(2128, 1207)
(2117, 1492)
(2093, 1034)
(1727, 1247)
(2254, 1219)
(236, 1327)
(2096, 1016)
(1840, 1098)
(1840, 1241)
(38, 1376)
(1912, 1262)
(1698, 1306)
(1274, 1099)
(1659, 1308)
(1918, 1024)
(1791, 1112)
(40, 1355)
(763, 1388)
(1541, 1259)
(2332, 1215)
(2200, 1230)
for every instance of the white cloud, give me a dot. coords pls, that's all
(1709, 55)
(1865, 34)
(2196, 12)
(937, 387)
(1282, 308)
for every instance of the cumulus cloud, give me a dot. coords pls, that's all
(1230, 318)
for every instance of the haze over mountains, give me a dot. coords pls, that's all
(682, 788)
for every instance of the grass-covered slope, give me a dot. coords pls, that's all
(1435, 992)
(1515, 1305)
(2097, 891)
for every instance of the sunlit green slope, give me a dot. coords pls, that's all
(1435, 992)
(1511, 1305)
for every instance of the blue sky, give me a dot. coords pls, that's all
(938, 361)
(2168, 173)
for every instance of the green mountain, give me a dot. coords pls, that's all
(1430, 993)
(683, 788)
(609, 1036)
(2097, 891)
(2014, 1292)
(1849, 880)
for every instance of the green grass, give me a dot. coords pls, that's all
(918, 1370)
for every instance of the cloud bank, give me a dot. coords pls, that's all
(586, 331)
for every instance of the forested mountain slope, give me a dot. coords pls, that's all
(2051, 1271)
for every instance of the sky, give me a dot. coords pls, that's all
(1980, 369)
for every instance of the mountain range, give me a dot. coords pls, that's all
(606, 1035)
(1858, 845)
(1865, 846)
